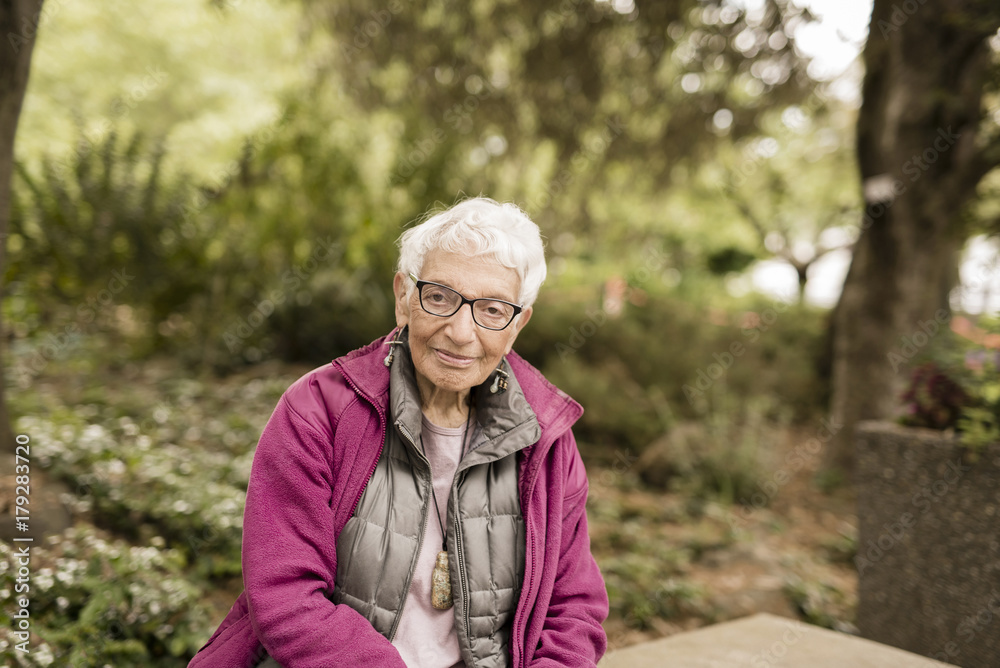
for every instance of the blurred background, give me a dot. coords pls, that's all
(752, 209)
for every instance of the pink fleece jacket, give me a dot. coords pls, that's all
(312, 463)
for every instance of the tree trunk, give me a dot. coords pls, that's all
(920, 164)
(18, 25)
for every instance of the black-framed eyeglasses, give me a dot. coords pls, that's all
(487, 312)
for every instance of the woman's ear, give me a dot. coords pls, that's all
(402, 302)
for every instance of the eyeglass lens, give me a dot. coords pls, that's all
(439, 300)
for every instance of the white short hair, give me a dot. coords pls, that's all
(475, 227)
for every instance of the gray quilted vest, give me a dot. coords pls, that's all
(378, 547)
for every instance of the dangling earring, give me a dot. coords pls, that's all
(392, 350)
(499, 385)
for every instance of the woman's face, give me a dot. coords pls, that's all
(454, 353)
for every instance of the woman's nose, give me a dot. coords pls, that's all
(462, 325)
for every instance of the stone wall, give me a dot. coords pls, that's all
(929, 544)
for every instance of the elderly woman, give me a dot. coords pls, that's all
(421, 501)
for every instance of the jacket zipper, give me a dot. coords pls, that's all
(382, 424)
(420, 538)
(516, 641)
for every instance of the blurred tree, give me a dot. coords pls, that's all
(18, 25)
(925, 140)
(565, 90)
(198, 74)
(790, 188)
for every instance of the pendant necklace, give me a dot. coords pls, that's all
(441, 577)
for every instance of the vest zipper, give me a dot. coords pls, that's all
(461, 561)
(420, 539)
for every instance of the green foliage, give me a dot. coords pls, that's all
(287, 250)
(166, 468)
(174, 469)
(844, 547)
(200, 74)
(309, 250)
(104, 230)
(980, 426)
(724, 455)
(639, 373)
(736, 455)
(646, 548)
(980, 419)
(98, 602)
(648, 597)
(105, 242)
(728, 260)
(221, 275)
(645, 584)
(958, 387)
(555, 74)
(818, 603)
(618, 412)
(792, 188)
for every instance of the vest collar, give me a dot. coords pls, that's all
(506, 423)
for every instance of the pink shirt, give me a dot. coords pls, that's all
(426, 637)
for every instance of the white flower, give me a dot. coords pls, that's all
(43, 655)
(181, 506)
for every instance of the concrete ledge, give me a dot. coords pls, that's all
(764, 641)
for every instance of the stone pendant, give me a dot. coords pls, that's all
(441, 583)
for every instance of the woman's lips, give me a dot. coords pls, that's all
(453, 359)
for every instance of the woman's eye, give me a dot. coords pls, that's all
(494, 310)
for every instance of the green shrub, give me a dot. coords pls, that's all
(104, 229)
(724, 455)
(97, 602)
(288, 253)
(173, 465)
(643, 587)
(634, 373)
(618, 414)
(820, 603)
(135, 485)
(956, 385)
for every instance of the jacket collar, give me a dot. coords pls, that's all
(554, 410)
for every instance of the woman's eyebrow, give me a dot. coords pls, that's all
(503, 299)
